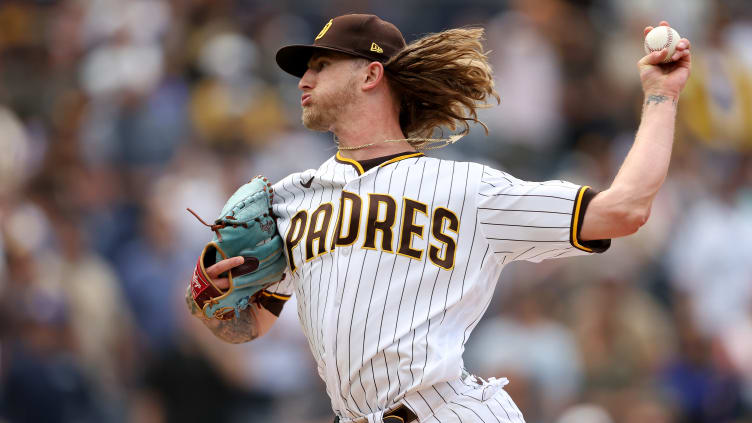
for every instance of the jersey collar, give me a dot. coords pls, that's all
(383, 160)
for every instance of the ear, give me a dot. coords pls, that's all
(373, 76)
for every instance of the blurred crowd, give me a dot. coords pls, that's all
(116, 115)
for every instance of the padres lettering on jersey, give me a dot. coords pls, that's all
(380, 220)
(393, 266)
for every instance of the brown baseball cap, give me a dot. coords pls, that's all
(365, 36)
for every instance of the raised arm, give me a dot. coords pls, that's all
(625, 205)
(252, 322)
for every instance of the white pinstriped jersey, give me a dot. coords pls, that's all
(394, 266)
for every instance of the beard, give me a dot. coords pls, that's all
(322, 113)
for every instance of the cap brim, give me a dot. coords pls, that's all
(294, 59)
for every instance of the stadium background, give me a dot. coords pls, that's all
(116, 115)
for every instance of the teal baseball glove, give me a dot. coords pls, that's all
(246, 228)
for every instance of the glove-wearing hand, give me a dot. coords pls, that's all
(244, 228)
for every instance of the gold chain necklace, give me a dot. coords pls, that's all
(417, 143)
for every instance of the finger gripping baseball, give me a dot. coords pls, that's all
(245, 228)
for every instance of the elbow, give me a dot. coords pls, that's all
(614, 215)
(629, 221)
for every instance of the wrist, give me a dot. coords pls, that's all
(192, 306)
(658, 87)
(655, 97)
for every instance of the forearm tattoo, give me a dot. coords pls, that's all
(658, 99)
(242, 328)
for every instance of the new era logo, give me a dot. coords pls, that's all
(375, 47)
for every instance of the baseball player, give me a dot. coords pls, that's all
(394, 255)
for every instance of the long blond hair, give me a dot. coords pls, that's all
(440, 80)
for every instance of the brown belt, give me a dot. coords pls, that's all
(400, 414)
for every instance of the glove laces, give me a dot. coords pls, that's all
(218, 224)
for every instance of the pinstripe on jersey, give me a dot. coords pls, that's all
(394, 266)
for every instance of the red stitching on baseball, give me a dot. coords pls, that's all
(669, 39)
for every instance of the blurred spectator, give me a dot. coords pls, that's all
(231, 105)
(527, 74)
(736, 341)
(525, 342)
(73, 292)
(43, 380)
(15, 147)
(92, 293)
(278, 364)
(282, 155)
(122, 66)
(718, 99)
(623, 334)
(151, 268)
(205, 392)
(718, 284)
(699, 377)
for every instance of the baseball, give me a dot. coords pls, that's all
(662, 37)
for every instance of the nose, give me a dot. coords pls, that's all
(306, 82)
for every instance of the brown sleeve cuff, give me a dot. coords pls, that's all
(272, 302)
(581, 202)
